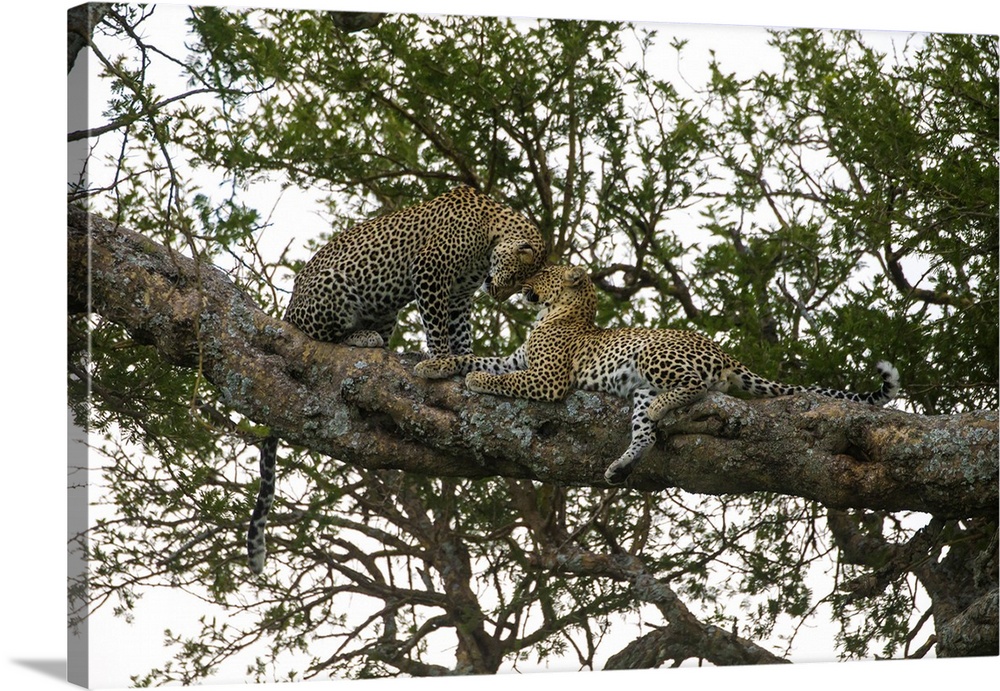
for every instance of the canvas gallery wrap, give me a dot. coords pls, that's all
(407, 345)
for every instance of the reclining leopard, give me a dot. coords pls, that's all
(662, 369)
(438, 253)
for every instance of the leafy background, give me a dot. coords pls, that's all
(727, 281)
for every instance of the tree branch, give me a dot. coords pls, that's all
(80, 23)
(894, 271)
(133, 117)
(364, 406)
(974, 631)
(684, 637)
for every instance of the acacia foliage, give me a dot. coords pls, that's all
(814, 218)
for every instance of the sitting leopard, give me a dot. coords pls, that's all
(662, 369)
(438, 253)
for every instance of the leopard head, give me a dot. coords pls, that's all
(565, 290)
(511, 262)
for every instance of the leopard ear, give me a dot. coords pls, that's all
(526, 253)
(574, 276)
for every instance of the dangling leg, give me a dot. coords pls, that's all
(643, 436)
(648, 408)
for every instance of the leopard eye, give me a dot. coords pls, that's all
(530, 295)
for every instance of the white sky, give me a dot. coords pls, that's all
(33, 509)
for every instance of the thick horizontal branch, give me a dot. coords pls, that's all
(364, 406)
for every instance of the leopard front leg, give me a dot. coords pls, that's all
(459, 328)
(534, 384)
(431, 278)
(452, 365)
(440, 367)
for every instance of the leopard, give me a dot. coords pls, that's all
(662, 370)
(439, 253)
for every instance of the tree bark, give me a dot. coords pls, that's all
(364, 406)
(684, 637)
(80, 23)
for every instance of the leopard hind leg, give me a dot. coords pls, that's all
(372, 333)
(643, 436)
(686, 391)
(649, 407)
(365, 339)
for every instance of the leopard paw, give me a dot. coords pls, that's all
(617, 473)
(436, 368)
(476, 381)
(365, 339)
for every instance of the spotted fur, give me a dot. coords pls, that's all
(661, 369)
(439, 253)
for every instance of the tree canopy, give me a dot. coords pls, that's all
(813, 218)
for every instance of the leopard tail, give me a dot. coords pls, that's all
(759, 386)
(256, 541)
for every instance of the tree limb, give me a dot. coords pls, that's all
(80, 23)
(894, 270)
(683, 638)
(364, 406)
(127, 120)
(974, 631)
